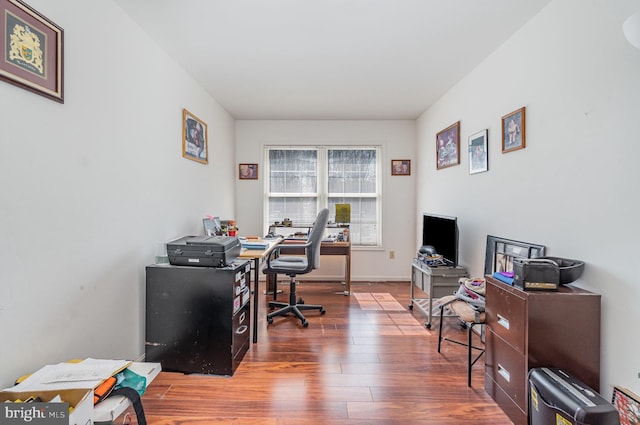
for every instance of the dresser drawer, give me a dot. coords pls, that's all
(507, 368)
(506, 314)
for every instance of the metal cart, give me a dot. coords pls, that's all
(436, 282)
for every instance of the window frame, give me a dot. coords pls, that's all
(322, 194)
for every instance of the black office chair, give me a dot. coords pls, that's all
(295, 265)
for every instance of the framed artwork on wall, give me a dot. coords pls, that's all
(448, 146)
(513, 131)
(400, 167)
(32, 50)
(478, 145)
(248, 171)
(194, 138)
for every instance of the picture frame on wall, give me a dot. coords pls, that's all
(32, 49)
(513, 131)
(478, 152)
(248, 171)
(195, 139)
(400, 167)
(448, 146)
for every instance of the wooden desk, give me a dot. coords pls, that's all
(340, 248)
(258, 257)
(327, 248)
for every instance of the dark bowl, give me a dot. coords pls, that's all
(570, 270)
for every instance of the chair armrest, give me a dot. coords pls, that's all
(293, 243)
(283, 246)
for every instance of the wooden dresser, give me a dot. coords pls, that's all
(529, 329)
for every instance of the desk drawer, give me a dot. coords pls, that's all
(506, 316)
(507, 368)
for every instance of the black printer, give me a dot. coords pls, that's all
(203, 251)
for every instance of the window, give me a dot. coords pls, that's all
(301, 180)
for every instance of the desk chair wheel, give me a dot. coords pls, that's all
(305, 324)
(300, 301)
(428, 325)
(323, 311)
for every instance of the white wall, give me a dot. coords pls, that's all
(574, 187)
(397, 139)
(90, 186)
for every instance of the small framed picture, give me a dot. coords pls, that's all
(478, 152)
(248, 171)
(513, 131)
(400, 167)
(628, 406)
(194, 138)
(448, 146)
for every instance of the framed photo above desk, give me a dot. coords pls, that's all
(400, 167)
(248, 171)
(195, 139)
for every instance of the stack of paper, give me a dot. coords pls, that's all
(254, 244)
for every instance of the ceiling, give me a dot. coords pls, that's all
(329, 59)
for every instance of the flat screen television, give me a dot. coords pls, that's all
(441, 232)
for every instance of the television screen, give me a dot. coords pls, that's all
(441, 232)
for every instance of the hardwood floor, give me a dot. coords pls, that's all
(368, 360)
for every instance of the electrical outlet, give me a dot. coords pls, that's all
(392, 255)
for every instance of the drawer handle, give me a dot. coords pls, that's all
(242, 329)
(503, 321)
(241, 318)
(504, 373)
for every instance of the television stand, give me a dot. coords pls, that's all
(436, 282)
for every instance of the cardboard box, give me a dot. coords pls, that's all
(80, 399)
(112, 407)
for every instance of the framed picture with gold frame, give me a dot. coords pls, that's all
(448, 146)
(513, 131)
(195, 139)
(32, 50)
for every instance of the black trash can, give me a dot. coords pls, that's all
(556, 397)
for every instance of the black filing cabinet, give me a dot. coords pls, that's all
(198, 318)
